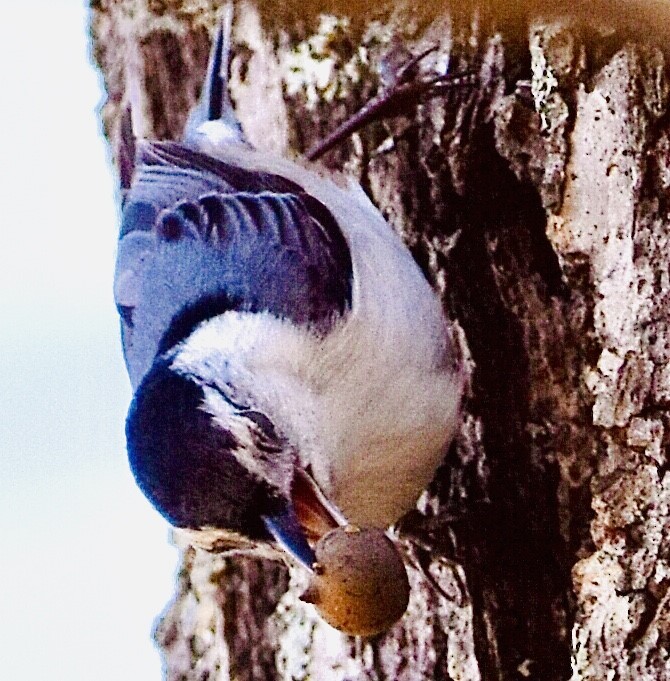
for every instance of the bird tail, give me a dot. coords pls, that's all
(213, 117)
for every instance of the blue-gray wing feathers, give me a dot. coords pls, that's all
(200, 237)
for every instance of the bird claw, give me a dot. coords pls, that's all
(407, 70)
(404, 90)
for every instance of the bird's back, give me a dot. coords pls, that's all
(201, 236)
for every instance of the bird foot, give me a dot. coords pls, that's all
(404, 90)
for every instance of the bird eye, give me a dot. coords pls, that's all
(265, 438)
(263, 422)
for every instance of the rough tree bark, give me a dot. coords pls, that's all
(537, 201)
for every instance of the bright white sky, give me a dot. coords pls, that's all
(84, 561)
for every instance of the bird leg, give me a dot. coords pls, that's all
(395, 98)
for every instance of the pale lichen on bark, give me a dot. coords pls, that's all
(614, 215)
(613, 221)
(537, 201)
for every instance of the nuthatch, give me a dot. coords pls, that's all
(292, 368)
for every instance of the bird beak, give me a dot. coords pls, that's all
(305, 520)
(287, 532)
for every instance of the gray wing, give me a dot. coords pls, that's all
(200, 237)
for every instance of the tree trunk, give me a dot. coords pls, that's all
(536, 199)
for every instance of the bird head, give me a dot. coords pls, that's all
(213, 462)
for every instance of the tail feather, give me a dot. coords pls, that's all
(213, 118)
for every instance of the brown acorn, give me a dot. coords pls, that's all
(359, 584)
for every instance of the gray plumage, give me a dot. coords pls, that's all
(197, 229)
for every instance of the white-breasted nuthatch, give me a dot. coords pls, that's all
(292, 368)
